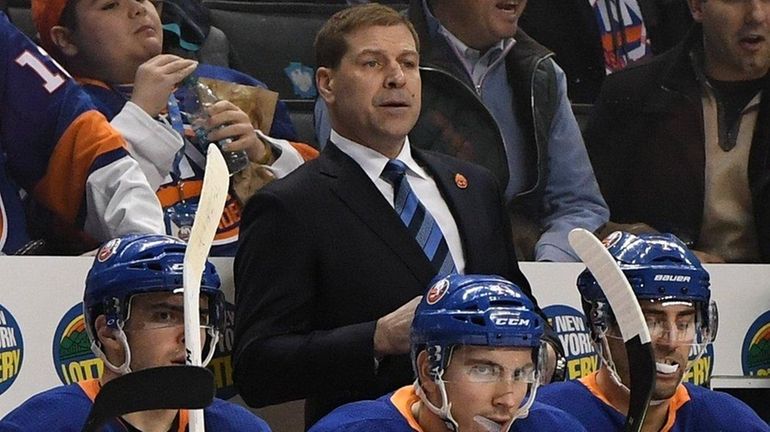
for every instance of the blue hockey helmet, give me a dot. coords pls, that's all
(659, 268)
(460, 310)
(474, 310)
(138, 264)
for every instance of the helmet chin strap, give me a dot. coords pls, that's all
(445, 412)
(123, 368)
(214, 338)
(603, 349)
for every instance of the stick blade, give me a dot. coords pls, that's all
(166, 387)
(630, 319)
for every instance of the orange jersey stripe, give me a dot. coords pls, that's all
(173, 194)
(62, 188)
(403, 399)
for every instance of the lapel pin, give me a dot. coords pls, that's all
(461, 181)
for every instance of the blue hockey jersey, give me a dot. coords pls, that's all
(66, 408)
(692, 408)
(393, 413)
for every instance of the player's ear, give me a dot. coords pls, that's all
(426, 380)
(62, 38)
(106, 335)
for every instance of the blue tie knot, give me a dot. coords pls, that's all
(394, 172)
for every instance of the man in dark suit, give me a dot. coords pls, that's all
(327, 274)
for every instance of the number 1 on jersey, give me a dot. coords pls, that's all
(52, 81)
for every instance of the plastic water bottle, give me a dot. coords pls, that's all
(196, 100)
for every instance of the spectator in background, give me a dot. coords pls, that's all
(467, 380)
(681, 143)
(334, 257)
(62, 155)
(594, 38)
(133, 308)
(511, 85)
(682, 320)
(115, 51)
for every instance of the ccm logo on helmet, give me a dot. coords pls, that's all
(672, 278)
(510, 321)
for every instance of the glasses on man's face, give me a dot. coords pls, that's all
(492, 373)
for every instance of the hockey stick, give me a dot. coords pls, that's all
(216, 181)
(633, 326)
(152, 389)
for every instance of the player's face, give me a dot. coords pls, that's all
(483, 23)
(487, 383)
(672, 330)
(155, 329)
(374, 93)
(113, 37)
(736, 37)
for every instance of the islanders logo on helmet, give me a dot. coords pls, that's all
(11, 349)
(108, 250)
(437, 291)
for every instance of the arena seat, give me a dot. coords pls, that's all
(21, 15)
(269, 37)
(301, 113)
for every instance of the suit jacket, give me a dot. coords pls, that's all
(322, 256)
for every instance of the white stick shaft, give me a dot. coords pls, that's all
(613, 282)
(210, 206)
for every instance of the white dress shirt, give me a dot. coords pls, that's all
(373, 163)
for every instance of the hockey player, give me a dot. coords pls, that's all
(673, 291)
(134, 314)
(478, 356)
(114, 50)
(62, 154)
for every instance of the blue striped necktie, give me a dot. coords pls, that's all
(418, 220)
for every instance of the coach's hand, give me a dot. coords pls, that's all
(391, 335)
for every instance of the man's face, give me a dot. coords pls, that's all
(736, 37)
(374, 94)
(483, 23)
(672, 330)
(487, 382)
(155, 329)
(113, 36)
